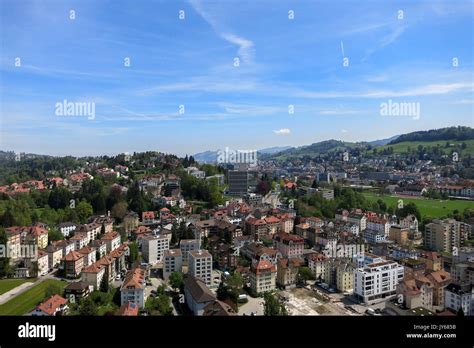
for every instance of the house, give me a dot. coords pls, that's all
(287, 272)
(290, 245)
(55, 255)
(78, 290)
(440, 280)
(89, 254)
(93, 275)
(112, 240)
(43, 263)
(65, 245)
(457, 297)
(197, 294)
(416, 291)
(218, 309)
(73, 263)
(148, 217)
(91, 230)
(53, 306)
(80, 240)
(317, 264)
(133, 288)
(102, 220)
(256, 227)
(66, 228)
(129, 309)
(130, 222)
(37, 235)
(262, 276)
(100, 247)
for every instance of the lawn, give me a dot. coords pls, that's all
(434, 208)
(8, 284)
(27, 301)
(413, 145)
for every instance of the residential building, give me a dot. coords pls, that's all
(187, 245)
(72, 264)
(153, 247)
(112, 240)
(200, 265)
(377, 280)
(173, 262)
(287, 272)
(93, 275)
(290, 245)
(55, 254)
(458, 297)
(66, 228)
(133, 288)
(262, 276)
(53, 306)
(197, 294)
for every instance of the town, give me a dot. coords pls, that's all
(359, 230)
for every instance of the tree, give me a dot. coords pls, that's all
(83, 211)
(133, 252)
(263, 187)
(88, 307)
(104, 284)
(273, 307)
(305, 274)
(54, 234)
(53, 289)
(119, 210)
(176, 280)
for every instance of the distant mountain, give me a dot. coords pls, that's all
(450, 133)
(211, 156)
(275, 149)
(313, 150)
(206, 157)
(383, 141)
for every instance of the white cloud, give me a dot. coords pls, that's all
(283, 131)
(246, 47)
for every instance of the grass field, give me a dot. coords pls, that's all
(27, 301)
(428, 207)
(413, 145)
(8, 284)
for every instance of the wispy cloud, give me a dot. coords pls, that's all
(246, 47)
(283, 131)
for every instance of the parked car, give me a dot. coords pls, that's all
(118, 277)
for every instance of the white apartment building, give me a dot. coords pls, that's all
(455, 298)
(200, 265)
(153, 248)
(173, 262)
(263, 276)
(187, 245)
(379, 225)
(377, 280)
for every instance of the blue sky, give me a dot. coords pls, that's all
(190, 62)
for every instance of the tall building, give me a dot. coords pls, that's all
(173, 262)
(238, 182)
(200, 265)
(187, 245)
(377, 280)
(444, 235)
(153, 248)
